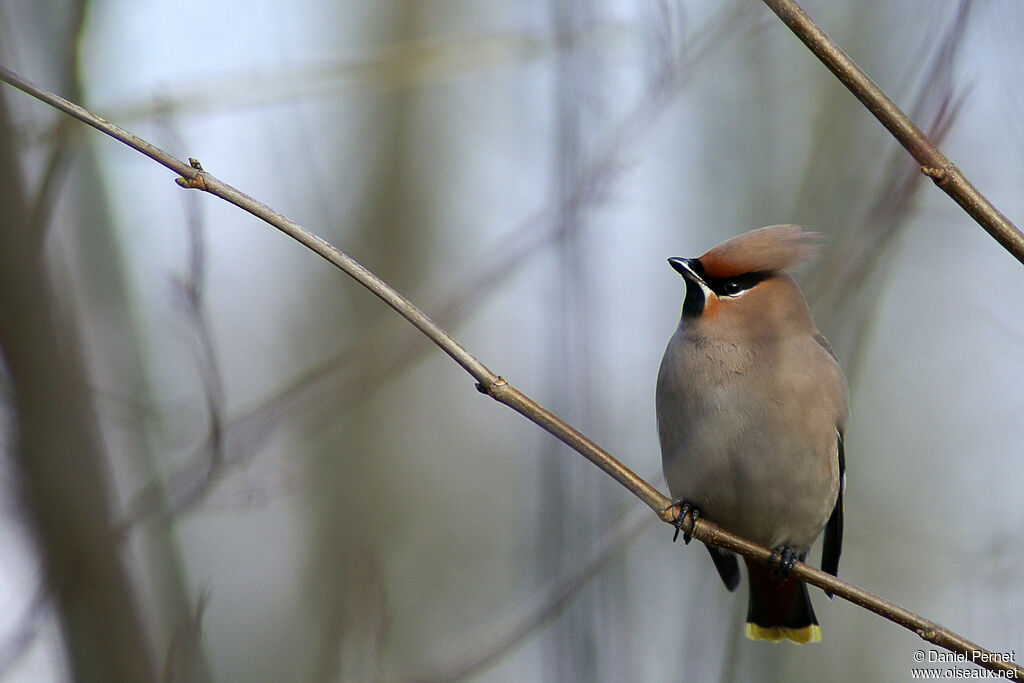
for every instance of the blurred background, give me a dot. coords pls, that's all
(224, 460)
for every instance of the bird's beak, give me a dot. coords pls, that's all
(688, 268)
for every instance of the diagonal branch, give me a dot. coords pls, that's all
(193, 176)
(933, 162)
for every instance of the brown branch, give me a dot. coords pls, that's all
(933, 162)
(193, 176)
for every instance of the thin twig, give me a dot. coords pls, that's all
(933, 162)
(193, 176)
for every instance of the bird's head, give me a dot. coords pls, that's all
(743, 282)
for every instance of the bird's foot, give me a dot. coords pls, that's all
(783, 559)
(685, 508)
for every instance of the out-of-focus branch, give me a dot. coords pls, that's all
(846, 283)
(547, 605)
(403, 65)
(192, 288)
(59, 454)
(183, 662)
(364, 363)
(18, 642)
(194, 177)
(933, 162)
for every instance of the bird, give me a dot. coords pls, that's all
(751, 406)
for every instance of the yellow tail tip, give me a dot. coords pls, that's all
(807, 634)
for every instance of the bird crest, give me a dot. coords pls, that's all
(772, 249)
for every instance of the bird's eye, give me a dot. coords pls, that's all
(736, 285)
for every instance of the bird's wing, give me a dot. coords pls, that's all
(727, 566)
(833, 546)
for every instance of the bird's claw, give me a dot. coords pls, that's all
(783, 559)
(685, 508)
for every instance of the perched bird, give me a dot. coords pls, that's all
(751, 407)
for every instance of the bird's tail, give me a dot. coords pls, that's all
(779, 610)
